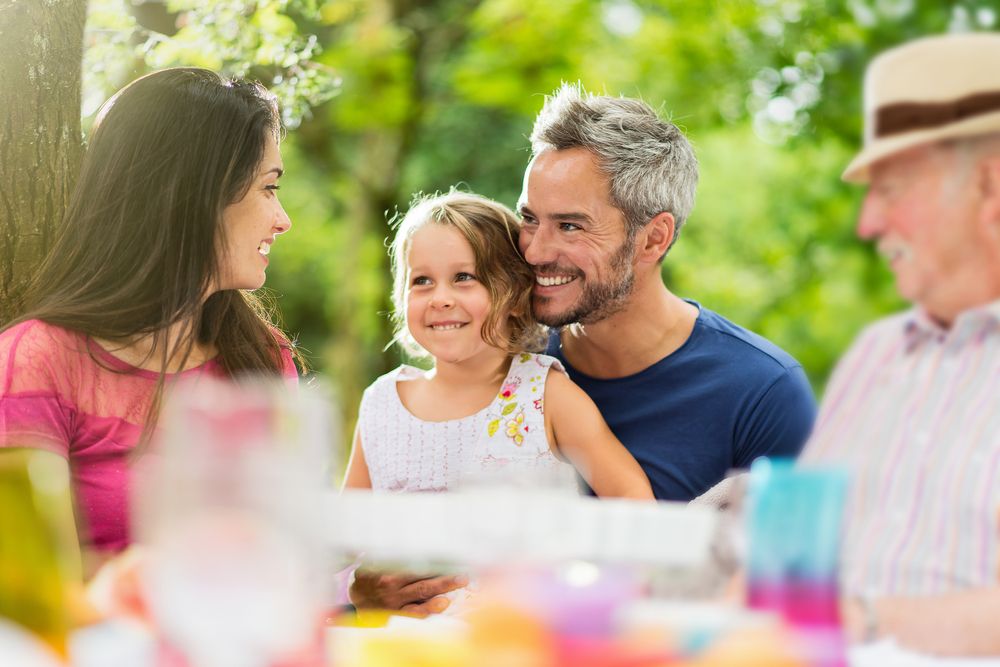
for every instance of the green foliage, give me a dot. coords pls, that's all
(259, 40)
(771, 245)
(436, 93)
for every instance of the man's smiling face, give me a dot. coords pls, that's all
(575, 239)
(922, 210)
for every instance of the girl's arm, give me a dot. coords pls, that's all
(578, 432)
(357, 469)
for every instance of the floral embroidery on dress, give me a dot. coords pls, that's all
(509, 388)
(516, 428)
(508, 412)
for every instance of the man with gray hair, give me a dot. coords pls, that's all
(913, 408)
(690, 394)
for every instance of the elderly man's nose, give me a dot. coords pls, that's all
(871, 220)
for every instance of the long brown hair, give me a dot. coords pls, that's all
(137, 249)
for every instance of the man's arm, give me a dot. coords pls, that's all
(419, 596)
(966, 623)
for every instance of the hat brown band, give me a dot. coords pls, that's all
(907, 116)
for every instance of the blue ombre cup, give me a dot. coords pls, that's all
(794, 527)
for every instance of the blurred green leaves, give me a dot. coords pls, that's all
(395, 96)
(260, 40)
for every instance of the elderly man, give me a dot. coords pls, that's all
(913, 409)
(690, 394)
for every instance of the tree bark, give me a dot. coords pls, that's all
(41, 53)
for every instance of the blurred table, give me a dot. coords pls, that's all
(886, 653)
(114, 644)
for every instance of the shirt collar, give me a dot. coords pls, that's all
(919, 325)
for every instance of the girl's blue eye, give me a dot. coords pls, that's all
(463, 276)
(421, 280)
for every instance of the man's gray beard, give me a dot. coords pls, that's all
(599, 300)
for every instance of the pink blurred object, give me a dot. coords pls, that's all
(238, 573)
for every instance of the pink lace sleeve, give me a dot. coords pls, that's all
(33, 411)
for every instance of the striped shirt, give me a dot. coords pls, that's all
(913, 412)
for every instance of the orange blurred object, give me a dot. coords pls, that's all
(503, 634)
(752, 647)
(116, 589)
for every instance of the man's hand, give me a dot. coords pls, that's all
(411, 594)
(950, 624)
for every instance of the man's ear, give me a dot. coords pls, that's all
(989, 191)
(989, 178)
(656, 237)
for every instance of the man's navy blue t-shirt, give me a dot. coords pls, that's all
(724, 398)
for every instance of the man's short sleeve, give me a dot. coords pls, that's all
(781, 421)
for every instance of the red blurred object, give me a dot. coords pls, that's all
(576, 651)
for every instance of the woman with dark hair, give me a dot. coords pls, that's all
(170, 223)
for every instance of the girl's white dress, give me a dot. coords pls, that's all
(504, 443)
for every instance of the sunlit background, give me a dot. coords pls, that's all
(385, 98)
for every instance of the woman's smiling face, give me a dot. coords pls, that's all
(251, 224)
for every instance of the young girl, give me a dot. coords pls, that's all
(462, 296)
(171, 220)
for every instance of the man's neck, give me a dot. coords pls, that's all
(976, 297)
(653, 324)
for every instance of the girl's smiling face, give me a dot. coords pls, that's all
(446, 304)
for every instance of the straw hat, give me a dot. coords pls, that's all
(931, 89)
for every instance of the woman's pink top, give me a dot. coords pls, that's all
(62, 392)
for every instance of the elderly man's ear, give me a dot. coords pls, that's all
(989, 189)
(655, 237)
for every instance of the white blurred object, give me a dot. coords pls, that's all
(727, 494)
(21, 648)
(113, 643)
(886, 653)
(230, 506)
(502, 526)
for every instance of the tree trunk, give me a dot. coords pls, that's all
(377, 192)
(41, 52)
